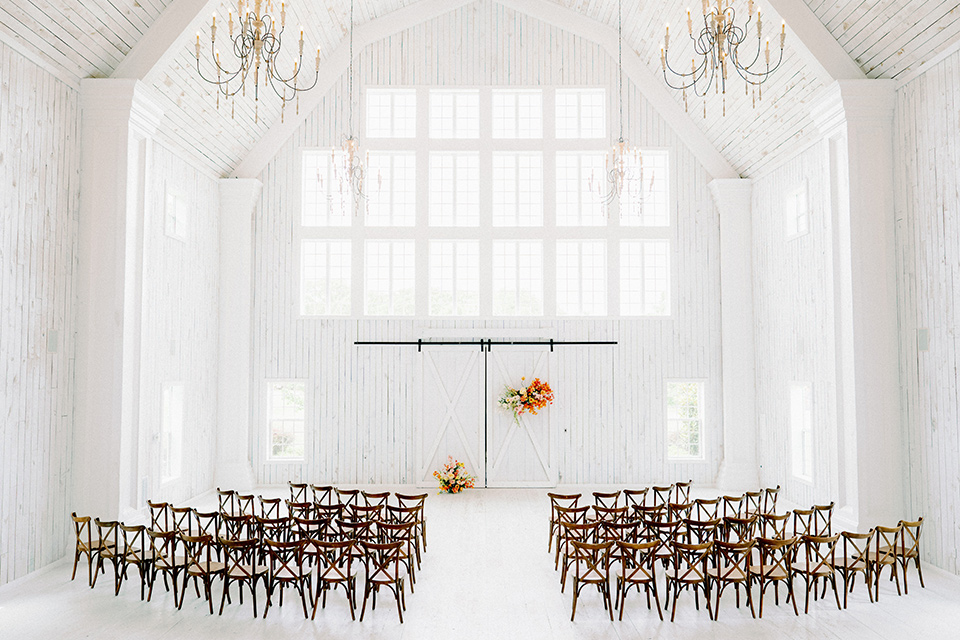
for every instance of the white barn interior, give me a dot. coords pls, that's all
(152, 251)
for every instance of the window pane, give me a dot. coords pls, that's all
(454, 189)
(390, 277)
(684, 422)
(454, 278)
(518, 114)
(391, 187)
(581, 278)
(454, 114)
(285, 418)
(645, 198)
(581, 113)
(391, 113)
(172, 409)
(324, 202)
(517, 189)
(325, 277)
(801, 429)
(518, 278)
(645, 277)
(581, 179)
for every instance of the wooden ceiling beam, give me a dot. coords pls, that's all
(815, 44)
(166, 37)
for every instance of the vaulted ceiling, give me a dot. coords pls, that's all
(77, 39)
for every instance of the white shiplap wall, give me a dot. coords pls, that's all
(39, 186)
(794, 312)
(179, 327)
(362, 401)
(928, 252)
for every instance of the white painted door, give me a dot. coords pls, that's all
(524, 454)
(452, 411)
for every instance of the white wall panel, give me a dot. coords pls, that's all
(39, 185)
(362, 400)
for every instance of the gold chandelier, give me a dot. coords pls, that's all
(256, 48)
(722, 46)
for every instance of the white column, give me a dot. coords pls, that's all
(238, 202)
(856, 118)
(738, 470)
(118, 121)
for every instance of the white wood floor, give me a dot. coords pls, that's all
(486, 574)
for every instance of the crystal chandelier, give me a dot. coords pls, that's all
(348, 161)
(717, 49)
(256, 48)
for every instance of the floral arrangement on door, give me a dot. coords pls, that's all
(453, 477)
(529, 399)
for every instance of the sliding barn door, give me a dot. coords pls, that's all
(524, 454)
(451, 421)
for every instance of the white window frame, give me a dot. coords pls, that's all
(269, 384)
(802, 434)
(392, 274)
(176, 211)
(796, 211)
(581, 277)
(178, 415)
(671, 280)
(392, 93)
(701, 417)
(304, 313)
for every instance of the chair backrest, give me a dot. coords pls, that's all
(664, 533)
(573, 514)
(608, 500)
(160, 518)
(359, 512)
(609, 514)
(770, 499)
(284, 559)
(911, 538)
(704, 509)
(378, 499)
(855, 548)
(690, 561)
(410, 500)
(732, 559)
(107, 530)
(661, 495)
(348, 497)
(245, 504)
(639, 554)
(328, 511)
(591, 561)
(299, 492)
(700, 531)
(581, 531)
(323, 494)
(269, 507)
(83, 530)
(239, 527)
(823, 519)
(776, 555)
(626, 530)
(774, 526)
(273, 528)
(679, 510)
(227, 500)
(299, 509)
(335, 558)
(886, 542)
(198, 551)
(304, 528)
(240, 557)
(207, 522)
(753, 502)
(382, 560)
(566, 501)
(132, 542)
(819, 554)
(392, 532)
(803, 522)
(732, 506)
(635, 497)
(654, 512)
(681, 492)
(182, 519)
(357, 530)
(740, 529)
(403, 514)
(163, 545)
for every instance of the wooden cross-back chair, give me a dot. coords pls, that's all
(651, 513)
(200, 565)
(681, 492)
(771, 525)
(348, 497)
(591, 563)
(732, 506)
(909, 549)
(404, 532)
(739, 529)
(573, 532)
(163, 547)
(661, 495)
(375, 499)
(775, 566)
(404, 515)
(383, 568)
(299, 492)
(622, 531)
(405, 500)
(300, 509)
(706, 509)
(323, 494)
(606, 499)
(134, 551)
(335, 568)
(770, 499)
(108, 531)
(854, 558)
(239, 527)
(286, 569)
(361, 512)
(277, 529)
(803, 522)
(358, 531)
(753, 503)
(227, 500)
(269, 507)
(815, 562)
(731, 566)
(700, 531)
(884, 554)
(306, 528)
(679, 510)
(609, 514)
(664, 534)
(822, 520)
(635, 497)
(241, 566)
(565, 501)
(160, 517)
(87, 544)
(688, 570)
(246, 504)
(208, 523)
(182, 518)
(639, 568)
(569, 515)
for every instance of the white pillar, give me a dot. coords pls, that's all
(238, 201)
(118, 121)
(856, 118)
(738, 470)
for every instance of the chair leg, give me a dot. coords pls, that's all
(576, 592)
(226, 590)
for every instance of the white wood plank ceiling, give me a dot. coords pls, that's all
(89, 38)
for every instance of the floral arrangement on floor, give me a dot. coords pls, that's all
(531, 398)
(454, 477)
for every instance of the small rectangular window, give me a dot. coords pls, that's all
(581, 113)
(517, 189)
(324, 202)
(390, 277)
(645, 200)
(286, 416)
(517, 114)
(454, 278)
(518, 278)
(645, 277)
(175, 215)
(581, 179)
(454, 113)
(581, 278)
(325, 278)
(796, 212)
(685, 420)
(172, 409)
(801, 430)
(454, 189)
(391, 113)
(391, 187)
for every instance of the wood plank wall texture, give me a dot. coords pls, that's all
(610, 400)
(39, 205)
(928, 252)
